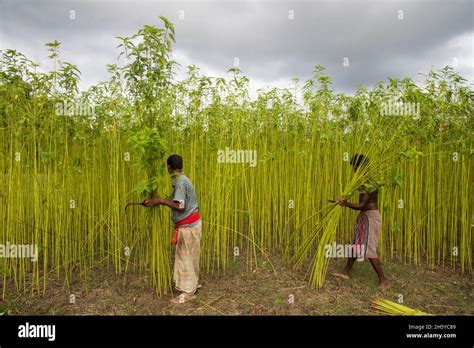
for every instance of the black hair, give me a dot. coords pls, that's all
(175, 162)
(359, 160)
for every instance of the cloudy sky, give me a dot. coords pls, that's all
(274, 41)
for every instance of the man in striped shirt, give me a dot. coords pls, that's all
(187, 231)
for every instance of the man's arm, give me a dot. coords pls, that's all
(177, 202)
(172, 204)
(355, 206)
(163, 201)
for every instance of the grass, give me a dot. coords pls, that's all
(436, 291)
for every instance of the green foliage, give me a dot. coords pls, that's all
(149, 145)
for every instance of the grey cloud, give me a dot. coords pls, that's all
(268, 44)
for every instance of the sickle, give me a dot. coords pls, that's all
(133, 203)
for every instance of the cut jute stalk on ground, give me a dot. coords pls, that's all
(392, 308)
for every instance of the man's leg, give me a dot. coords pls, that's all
(350, 261)
(186, 267)
(347, 270)
(383, 284)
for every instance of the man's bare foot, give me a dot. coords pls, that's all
(384, 286)
(183, 298)
(340, 275)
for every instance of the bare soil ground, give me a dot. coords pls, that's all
(241, 291)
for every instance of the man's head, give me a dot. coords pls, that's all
(175, 163)
(358, 161)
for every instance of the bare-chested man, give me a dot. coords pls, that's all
(367, 227)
